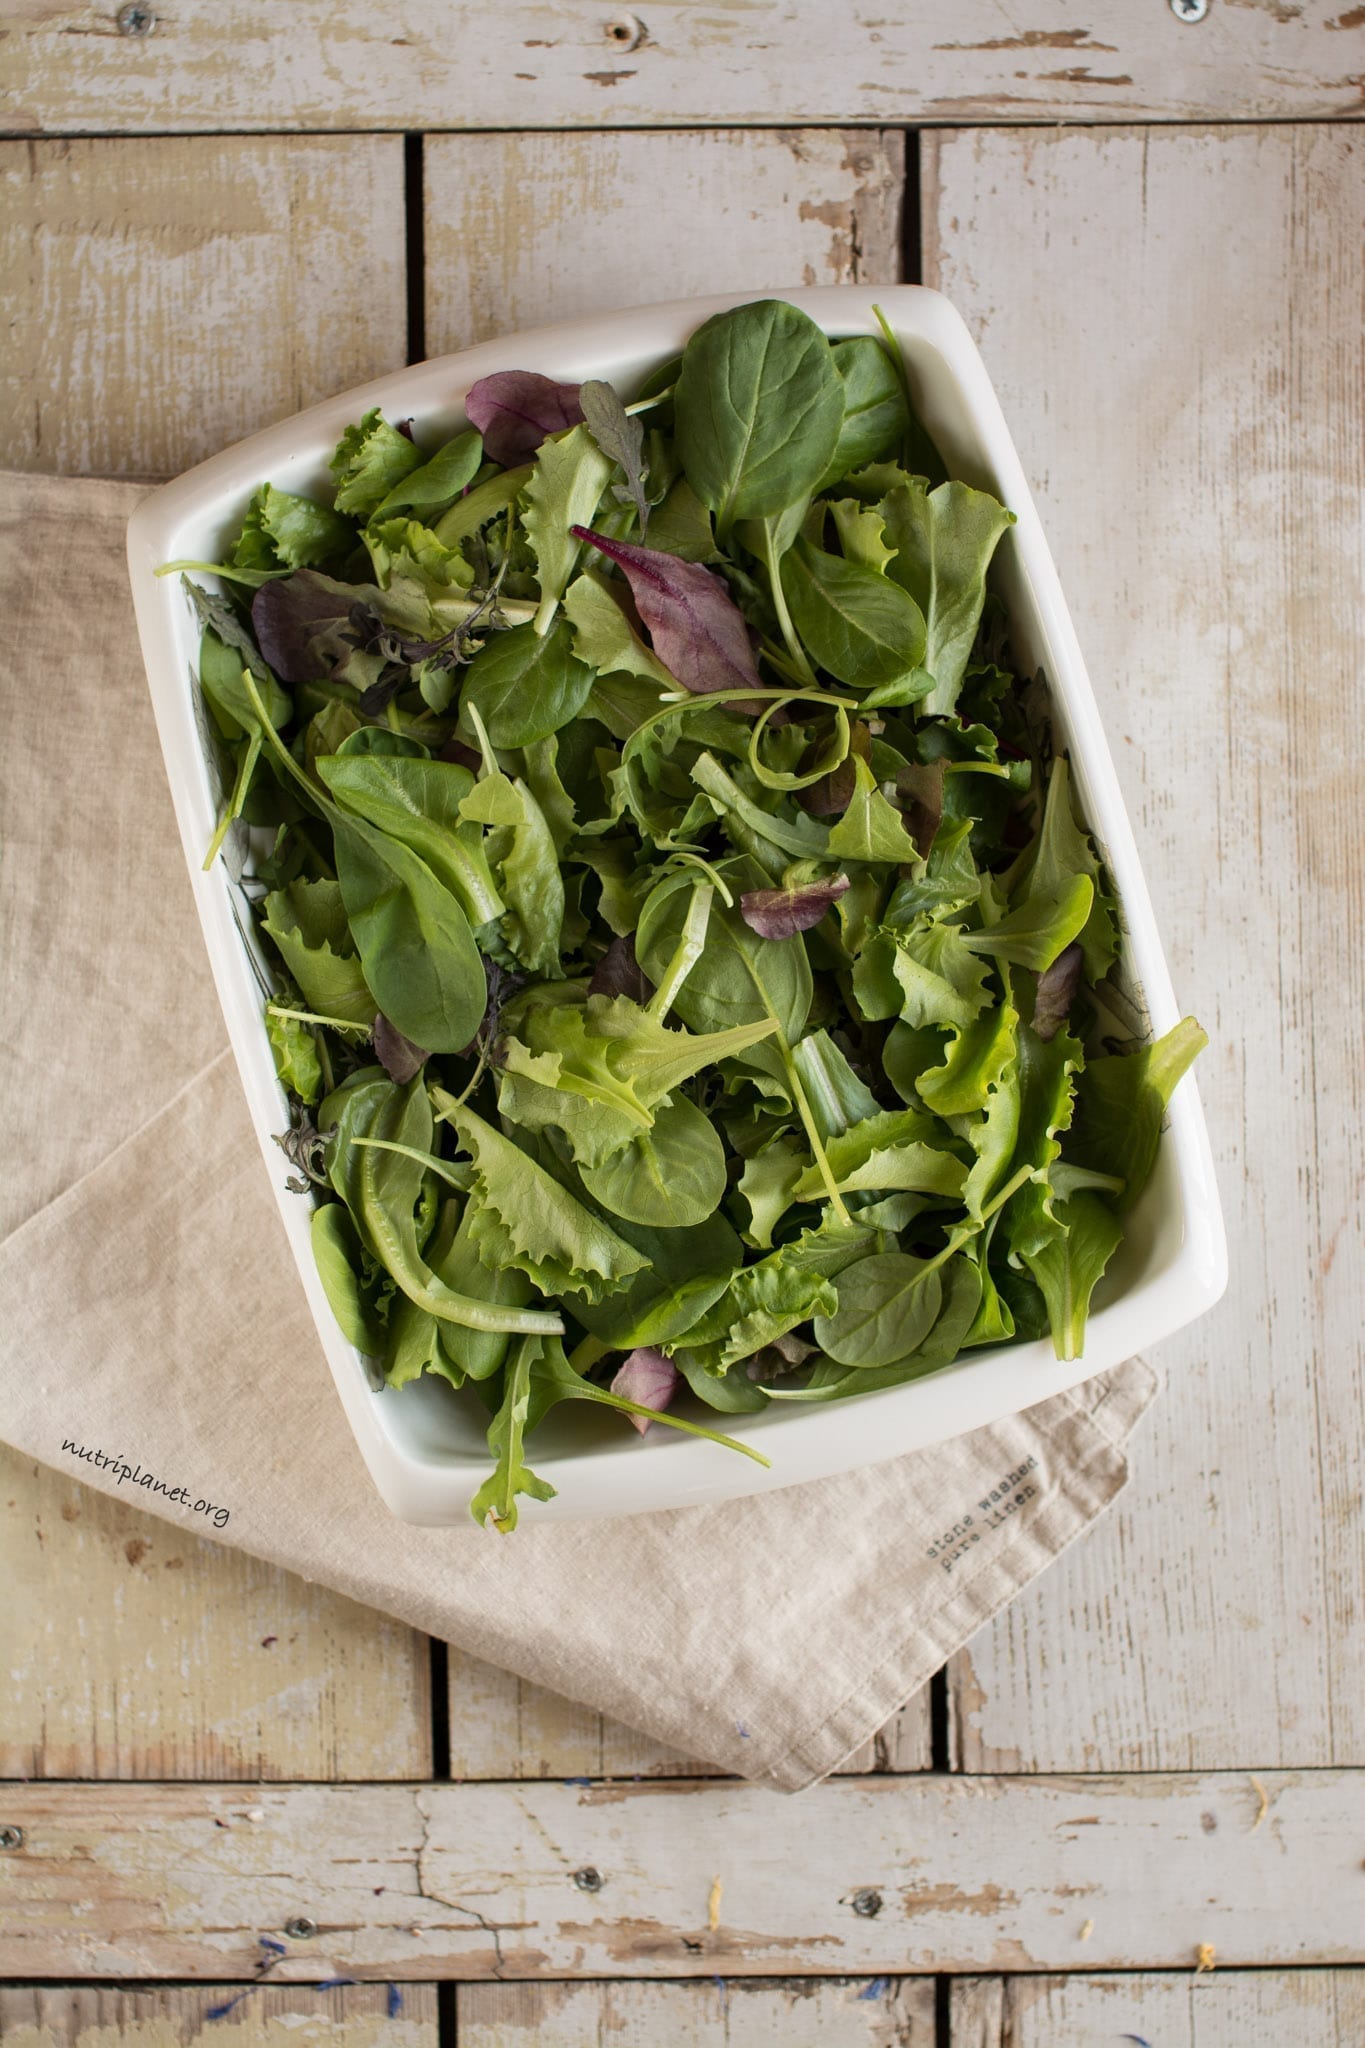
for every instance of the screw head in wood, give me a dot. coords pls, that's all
(300, 1929)
(588, 1879)
(867, 1903)
(133, 20)
(1189, 10)
(11, 1838)
(626, 32)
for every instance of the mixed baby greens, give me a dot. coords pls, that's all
(682, 939)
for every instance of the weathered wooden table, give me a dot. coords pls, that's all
(215, 214)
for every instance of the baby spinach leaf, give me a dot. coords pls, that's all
(370, 459)
(698, 631)
(669, 1176)
(526, 685)
(417, 802)
(740, 978)
(515, 410)
(876, 415)
(944, 540)
(416, 948)
(887, 1304)
(759, 405)
(858, 624)
(431, 488)
(683, 1273)
(337, 1254)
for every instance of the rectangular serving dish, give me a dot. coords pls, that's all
(424, 1445)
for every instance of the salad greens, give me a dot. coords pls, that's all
(689, 965)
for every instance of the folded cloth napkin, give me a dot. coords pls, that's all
(158, 1344)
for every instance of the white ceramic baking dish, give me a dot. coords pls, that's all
(424, 1445)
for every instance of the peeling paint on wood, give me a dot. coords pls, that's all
(291, 64)
(1270, 2009)
(521, 229)
(1172, 319)
(478, 1881)
(169, 297)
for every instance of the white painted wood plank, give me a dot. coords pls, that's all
(135, 1650)
(264, 2016)
(798, 2012)
(263, 64)
(521, 229)
(1173, 322)
(684, 1879)
(1218, 2009)
(168, 297)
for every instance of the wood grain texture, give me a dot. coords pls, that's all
(134, 1650)
(521, 229)
(799, 2012)
(1218, 2009)
(914, 1874)
(1172, 319)
(167, 298)
(524, 229)
(264, 2016)
(502, 1727)
(265, 64)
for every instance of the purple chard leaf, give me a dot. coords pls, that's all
(697, 629)
(398, 1056)
(781, 913)
(1056, 991)
(515, 409)
(649, 1379)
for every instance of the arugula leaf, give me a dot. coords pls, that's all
(620, 437)
(758, 406)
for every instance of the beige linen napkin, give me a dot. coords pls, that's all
(152, 1317)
